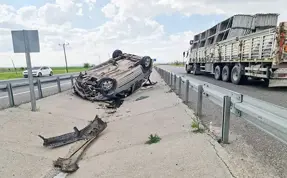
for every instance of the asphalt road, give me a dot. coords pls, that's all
(247, 142)
(22, 94)
(253, 88)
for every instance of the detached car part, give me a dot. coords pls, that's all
(69, 164)
(116, 78)
(93, 129)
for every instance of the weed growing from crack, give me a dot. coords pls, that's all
(195, 125)
(153, 139)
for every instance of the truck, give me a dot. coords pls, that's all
(241, 47)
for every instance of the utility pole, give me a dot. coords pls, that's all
(64, 48)
(13, 65)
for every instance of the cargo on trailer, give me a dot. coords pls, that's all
(240, 47)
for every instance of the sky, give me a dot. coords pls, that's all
(160, 29)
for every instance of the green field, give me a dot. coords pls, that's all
(5, 73)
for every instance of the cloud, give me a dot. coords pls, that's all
(131, 27)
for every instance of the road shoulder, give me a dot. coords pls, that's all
(120, 151)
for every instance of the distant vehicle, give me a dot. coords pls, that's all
(241, 47)
(120, 76)
(39, 72)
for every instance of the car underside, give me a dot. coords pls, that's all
(118, 77)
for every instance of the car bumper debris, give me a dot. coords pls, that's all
(93, 129)
(83, 137)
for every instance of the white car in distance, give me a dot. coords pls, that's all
(39, 72)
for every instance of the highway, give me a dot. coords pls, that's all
(25, 80)
(22, 94)
(254, 89)
(246, 140)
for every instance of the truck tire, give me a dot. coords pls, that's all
(226, 73)
(195, 69)
(237, 76)
(187, 71)
(217, 72)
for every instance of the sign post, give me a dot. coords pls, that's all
(27, 41)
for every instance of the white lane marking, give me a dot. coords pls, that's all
(21, 93)
(61, 175)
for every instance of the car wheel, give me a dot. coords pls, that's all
(217, 73)
(226, 73)
(107, 85)
(117, 53)
(39, 74)
(237, 76)
(51, 73)
(146, 63)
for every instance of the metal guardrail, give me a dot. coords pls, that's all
(9, 86)
(25, 82)
(268, 117)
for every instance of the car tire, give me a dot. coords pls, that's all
(217, 73)
(226, 73)
(237, 76)
(107, 85)
(146, 63)
(117, 53)
(51, 73)
(39, 74)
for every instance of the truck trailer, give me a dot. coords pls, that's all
(241, 47)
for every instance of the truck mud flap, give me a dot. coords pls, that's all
(93, 129)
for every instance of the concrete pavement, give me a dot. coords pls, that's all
(120, 150)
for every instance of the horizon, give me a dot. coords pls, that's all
(160, 29)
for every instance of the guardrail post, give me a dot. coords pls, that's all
(174, 82)
(40, 92)
(199, 101)
(171, 80)
(10, 95)
(179, 86)
(59, 84)
(166, 77)
(72, 80)
(186, 91)
(226, 119)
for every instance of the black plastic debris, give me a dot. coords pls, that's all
(93, 129)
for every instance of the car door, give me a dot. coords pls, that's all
(45, 71)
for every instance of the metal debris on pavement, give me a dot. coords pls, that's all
(141, 98)
(69, 164)
(84, 137)
(93, 129)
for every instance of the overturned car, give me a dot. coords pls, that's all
(116, 78)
